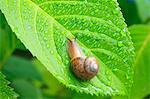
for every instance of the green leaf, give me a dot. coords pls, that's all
(20, 46)
(7, 40)
(26, 89)
(144, 9)
(6, 92)
(20, 68)
(53, 86)
(141, 39)
(130, 12)
(43, 26)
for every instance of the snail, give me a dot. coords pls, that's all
(82, 66)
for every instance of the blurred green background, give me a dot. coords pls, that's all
(31, 80)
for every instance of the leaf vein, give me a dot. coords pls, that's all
(145, 42)
(89, 18)
(69, 2)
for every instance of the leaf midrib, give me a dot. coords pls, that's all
(71, 2)
(88, 17)
(140, 52)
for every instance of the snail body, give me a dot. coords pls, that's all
(82, 66)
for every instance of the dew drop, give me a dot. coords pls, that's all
(126, 83)
(116, 90)
(120, 44)
(107, 91)
(110, 21)
(107, 72)
(92, 13)
(114, 34)
(59, 59)
(115, 69)
(85, 1)
(67, 62)
(62, 70)
(109, 83)
(127, 76)
(44, 38)
(51, 52)
(123, 34)
(124, 29)
(109, 78)
(47, 45)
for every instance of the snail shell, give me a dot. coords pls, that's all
(83, 67)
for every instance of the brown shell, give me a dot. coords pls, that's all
(81, 67)
(91, 65)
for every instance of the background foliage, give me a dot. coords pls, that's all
(30, 78)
